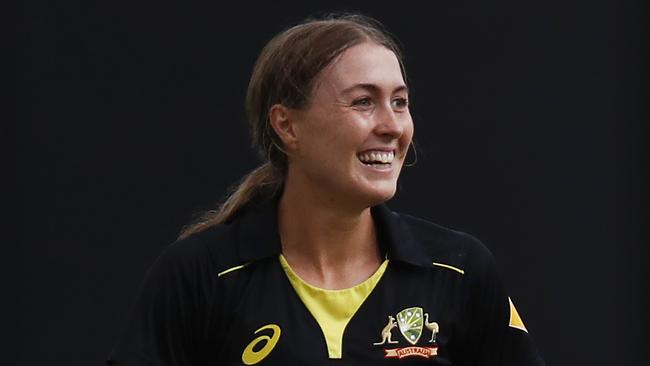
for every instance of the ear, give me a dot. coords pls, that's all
(283, 125)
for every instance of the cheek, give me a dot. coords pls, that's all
(326, 146)
(409, 128)
(343, 135)
(332, 137)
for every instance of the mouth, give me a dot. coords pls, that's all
(377, 159)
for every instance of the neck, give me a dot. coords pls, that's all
(327, 245)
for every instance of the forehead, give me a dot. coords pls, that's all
(365, 63)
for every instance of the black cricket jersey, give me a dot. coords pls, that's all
(226, 296)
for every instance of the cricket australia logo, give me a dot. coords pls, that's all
(411, 322)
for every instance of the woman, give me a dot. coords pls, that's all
(304, 264)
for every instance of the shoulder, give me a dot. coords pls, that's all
(248, 238)
(443, 245)
(211, 249)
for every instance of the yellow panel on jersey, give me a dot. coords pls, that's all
(515, 319)
(333, 309)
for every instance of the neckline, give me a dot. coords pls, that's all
(293, 276)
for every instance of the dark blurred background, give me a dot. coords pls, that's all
(531, 121)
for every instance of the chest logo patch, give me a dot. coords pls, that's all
(261, 346)
(411, 323)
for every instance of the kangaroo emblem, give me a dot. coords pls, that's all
(433, 327)
(386, 335)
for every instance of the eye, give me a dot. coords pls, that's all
(363, 102)
(400, 103)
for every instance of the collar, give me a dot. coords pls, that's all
(258, 236)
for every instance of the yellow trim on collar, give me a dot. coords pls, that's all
(232, 269)
(449, 267)
(333, 309)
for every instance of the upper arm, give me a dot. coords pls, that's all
(165, 325)
(497, 333)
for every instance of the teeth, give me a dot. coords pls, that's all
(377, 157)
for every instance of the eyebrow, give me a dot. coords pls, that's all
(373, 88)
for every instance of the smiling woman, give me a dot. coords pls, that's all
(304, 263)
(338, 146)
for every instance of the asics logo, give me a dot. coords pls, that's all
(250, 356)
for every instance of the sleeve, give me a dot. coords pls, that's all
(166, 322)
(498, 336)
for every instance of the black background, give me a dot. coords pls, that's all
(531, 121)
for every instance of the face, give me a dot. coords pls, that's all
(352, 137)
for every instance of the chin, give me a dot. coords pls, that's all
(376, 195)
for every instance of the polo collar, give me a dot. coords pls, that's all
(258, 236)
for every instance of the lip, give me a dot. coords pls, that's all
(382, 149)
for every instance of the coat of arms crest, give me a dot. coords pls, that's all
(410, 322)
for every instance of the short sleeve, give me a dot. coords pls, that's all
(497, 333)
(166, 324)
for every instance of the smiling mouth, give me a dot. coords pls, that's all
(377, 159)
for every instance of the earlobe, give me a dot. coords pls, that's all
(282, 124)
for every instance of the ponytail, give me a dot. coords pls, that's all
(263, 182)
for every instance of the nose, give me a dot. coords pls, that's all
(391, 123)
